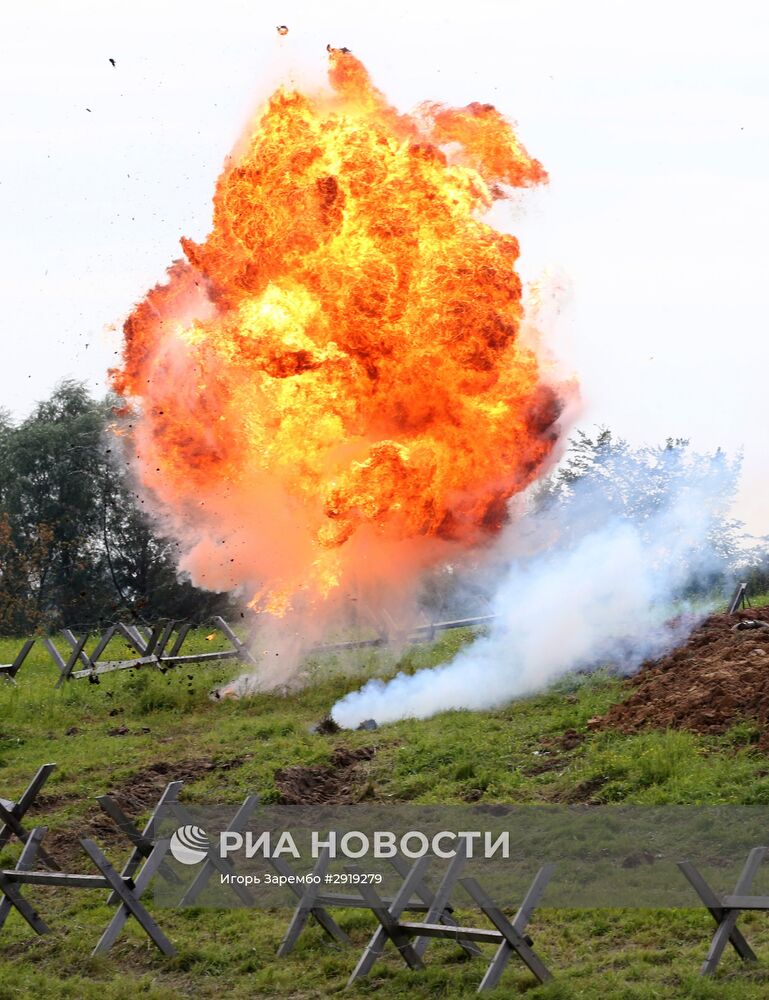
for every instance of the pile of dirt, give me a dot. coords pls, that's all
(720, 676)
(338, 783)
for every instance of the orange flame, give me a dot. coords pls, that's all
(330, 390)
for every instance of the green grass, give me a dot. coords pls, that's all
(513, 754)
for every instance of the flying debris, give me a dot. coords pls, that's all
(282, 29)
(330, 48)
(112, 61)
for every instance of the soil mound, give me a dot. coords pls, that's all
(718, 677)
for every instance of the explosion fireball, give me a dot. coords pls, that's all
(330, 393)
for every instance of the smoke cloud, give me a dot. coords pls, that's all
(598, 574)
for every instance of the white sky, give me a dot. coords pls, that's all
(652, 119)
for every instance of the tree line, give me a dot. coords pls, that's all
(77, 548)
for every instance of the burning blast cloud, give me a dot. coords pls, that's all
(331, 393)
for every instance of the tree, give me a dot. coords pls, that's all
(603, 478)
(50, 497)
(141, 561)
(76, 545)
(19, 571)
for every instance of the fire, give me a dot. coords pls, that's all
(330, 392)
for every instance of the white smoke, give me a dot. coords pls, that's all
(605, 586)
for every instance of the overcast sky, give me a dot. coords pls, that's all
(652, 119)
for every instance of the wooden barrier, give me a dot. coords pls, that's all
(12, 813)
(315, 902)
(142, 841)
(315, 898)
(9, 670)
(725, 910)
(161, 646)
(407, 935)
(128, 891)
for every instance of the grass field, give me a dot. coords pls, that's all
(134, 724)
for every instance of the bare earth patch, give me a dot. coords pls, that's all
(340, 782)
